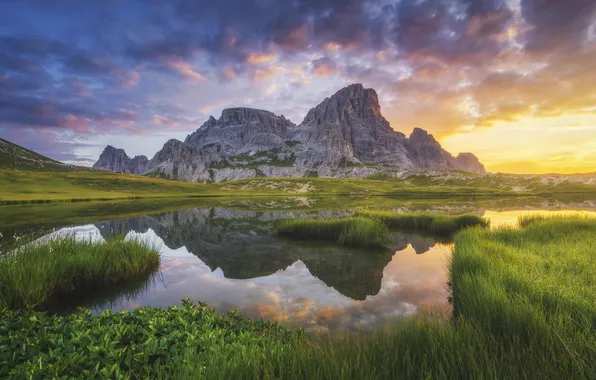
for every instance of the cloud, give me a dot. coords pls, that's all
(443, 65)
(259, 59)
(186, 70)
(323, 67)
(266, 74)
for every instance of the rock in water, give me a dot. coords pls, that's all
(344, 136)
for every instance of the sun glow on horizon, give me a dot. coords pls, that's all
(559, 144)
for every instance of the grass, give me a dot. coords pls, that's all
(355, 232)
(431, 223)
(38, 187)
(33, 273)
(524, 308)
(88, 186)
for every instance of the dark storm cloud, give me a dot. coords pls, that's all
(451, 31)
(557, 23)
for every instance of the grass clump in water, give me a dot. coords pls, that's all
(32, 273)
(355, 232)
(436, 224)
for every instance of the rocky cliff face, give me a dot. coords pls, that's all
(349, 125)
(237, 127)
(344, 136)
(117, 160)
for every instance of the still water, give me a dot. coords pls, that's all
(229, 259)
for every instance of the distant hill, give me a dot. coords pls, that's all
(15, 157)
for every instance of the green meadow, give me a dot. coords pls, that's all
(524, 307)
(79, 186)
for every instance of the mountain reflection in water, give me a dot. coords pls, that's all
(229, 259)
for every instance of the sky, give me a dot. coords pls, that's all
(513, 81)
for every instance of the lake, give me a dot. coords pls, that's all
(225, 255)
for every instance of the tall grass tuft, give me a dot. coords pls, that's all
(355, 232)
(528, 220)
(445, 225)
(32, 273)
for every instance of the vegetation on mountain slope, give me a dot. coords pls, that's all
(15, 157)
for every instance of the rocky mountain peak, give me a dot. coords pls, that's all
(420, 136)
(236, 126)
(173, 143)
(470, 163)
(349, 103)
(345, 135)
(117, 160)
(242, 115)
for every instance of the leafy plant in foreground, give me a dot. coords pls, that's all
(128, 345)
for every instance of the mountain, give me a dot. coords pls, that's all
(15, 157)
(344, 136)
(116, 160)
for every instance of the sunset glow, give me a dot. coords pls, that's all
(512, 81)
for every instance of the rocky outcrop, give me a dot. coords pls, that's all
(236, 127)
(349, 126)
(427, 153)
(344, 136)
(469, 163)
(116, 160)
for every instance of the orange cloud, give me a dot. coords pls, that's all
(185, 69)
(331, 47)
(77, 124)
(266, 74)
(261, 58)
(323, 70)
(228, 73)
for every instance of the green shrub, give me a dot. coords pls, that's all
(356, 232)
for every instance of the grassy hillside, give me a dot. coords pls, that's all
(16, 186)
(15, 157)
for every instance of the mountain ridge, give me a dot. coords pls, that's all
(345, 135)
